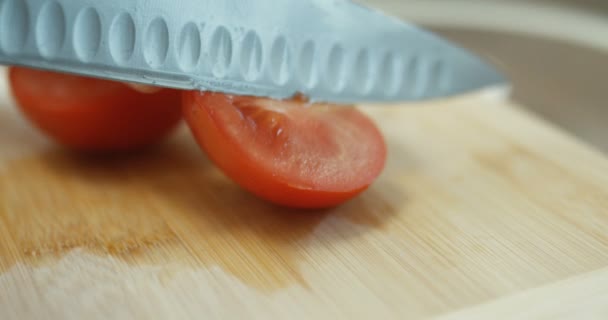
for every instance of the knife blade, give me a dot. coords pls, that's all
(328, 50)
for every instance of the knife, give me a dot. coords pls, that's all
(328, 50)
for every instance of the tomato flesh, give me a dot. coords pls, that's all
(288, 152)
(91, 114)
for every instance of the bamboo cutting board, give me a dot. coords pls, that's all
(483, 211)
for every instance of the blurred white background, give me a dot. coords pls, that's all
(581, 21)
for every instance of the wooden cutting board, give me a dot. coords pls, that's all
(483, 211)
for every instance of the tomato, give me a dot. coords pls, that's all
(92, 114)
(288, 152)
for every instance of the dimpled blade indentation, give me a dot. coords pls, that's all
(447, 76)
(50, 29)
(14, 23)
(361, 79)
(438, 75)
(306, 65)
(335, 76)
(426, 76)
(280, 61)
(251, 56)
(220, 54)
(411, 75)
(189, 48)
(87, 34)
(433, 77)
(389, 78)
(156, 44)
(122, 38)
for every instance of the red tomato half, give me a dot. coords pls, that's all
(91, 114)
(288, 152)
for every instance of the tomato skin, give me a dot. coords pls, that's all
(230, 139)
(94, 115)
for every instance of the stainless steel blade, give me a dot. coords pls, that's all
(332, 50)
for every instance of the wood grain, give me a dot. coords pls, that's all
(482, 208)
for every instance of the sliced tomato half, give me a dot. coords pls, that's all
(288, 152)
